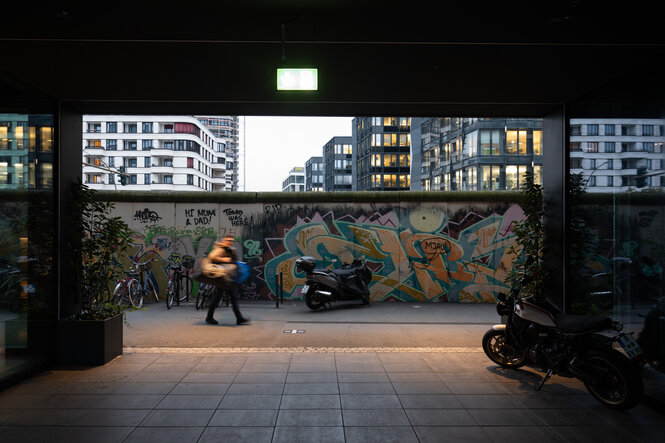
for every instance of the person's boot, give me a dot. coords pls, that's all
(212, 321)
(242, 320)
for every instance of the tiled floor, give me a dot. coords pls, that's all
(307, 397)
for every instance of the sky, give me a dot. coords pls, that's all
(275, 145)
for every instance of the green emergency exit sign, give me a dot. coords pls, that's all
(297, 79)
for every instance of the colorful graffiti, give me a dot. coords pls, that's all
(407, 265)
(442, 253)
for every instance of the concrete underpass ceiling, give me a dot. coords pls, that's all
(373, 57)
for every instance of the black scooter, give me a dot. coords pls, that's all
(324, 286)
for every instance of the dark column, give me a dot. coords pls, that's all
(555, 180)
(70, 146)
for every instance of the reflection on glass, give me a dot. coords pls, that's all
(26, 237)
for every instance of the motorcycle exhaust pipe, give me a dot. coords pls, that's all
(323, 296)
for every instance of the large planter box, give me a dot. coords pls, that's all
(89, 342)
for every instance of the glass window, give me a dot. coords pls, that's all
(511, 142)
(190, 179)
(147, 162)
(592, 130)
(129, 128)
(491, 177)
(146, 179)
(610, 146)
(538, 142)
(146, 145)
(111, 145)
(592, 147)
(94, 127)
(146, 127)
(112, 127)
(168, 179)
(129, 145)
(132, 179)
(609, 129)
(647, 130)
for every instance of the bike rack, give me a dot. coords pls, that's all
(279, 289)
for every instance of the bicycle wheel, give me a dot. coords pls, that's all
(185, 287)
(170, 294)
(199, 296)
(120, 293)
(135, 294)
(150, 286)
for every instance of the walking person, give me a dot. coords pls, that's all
(225, 252)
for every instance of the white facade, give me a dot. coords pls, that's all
(158, 153)
(295, 182)
(613, 153)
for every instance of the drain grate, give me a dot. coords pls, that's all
(294, 331)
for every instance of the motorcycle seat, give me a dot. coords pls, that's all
(582, 323)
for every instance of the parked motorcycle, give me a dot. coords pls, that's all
(652, 336)
(568, 345)
(324, 286)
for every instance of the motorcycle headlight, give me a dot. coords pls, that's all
(617, 326)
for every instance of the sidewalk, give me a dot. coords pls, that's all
(387, 373)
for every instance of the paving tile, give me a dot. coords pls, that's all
(31, 387)
(250, 402)
(375, 417)
(366, 388)
(440, 417)
(265, 367)
(421, 388)
(310, 377)
(128, 401)
(549, 400)
(186, 401)
(145, 388)
(311, 388)
(380, 434)
(40, 417)
(460, 377)
(435, 401)
(571, 417)
(526, 434)
(71, 401)
(505, 417)
(217, 367)
(370, 402)
(255, 388)
(178, 358)
(200, 388)
(498, 401)
(313, 367)
(451, 434)
(244, 417)
(28, 434)
(98, 434)
(310, 401)
(22, 401)
(477, 388)
(157, 377)
(112, 417)
(170, 367)
(170, 434)
(418, 377)
(359, 367)
(312, 358)
(237, 434)
(260, 377)
(300, 434)
(362, 377)
(309, 417)
(209, 377)
(407, 367)
(269, 358)
(178, 417)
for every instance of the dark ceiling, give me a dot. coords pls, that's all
(374, 57)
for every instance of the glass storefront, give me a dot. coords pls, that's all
(617, 223)
(27, 282)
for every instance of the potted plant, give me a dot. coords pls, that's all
(93, 335)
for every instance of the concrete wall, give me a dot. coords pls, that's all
(423, 251)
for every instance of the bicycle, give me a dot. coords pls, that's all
(205, 294)
(146, 281)
(126, 290)
(179, 287)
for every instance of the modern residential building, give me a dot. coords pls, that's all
(618, 155)
(468, 154)
(314, 174)
(295, 182)
(26, 151)
(226, 127)
(382, 153)
(338, 164)
(156, 153)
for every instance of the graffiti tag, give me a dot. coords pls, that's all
(253, 249)
(236, 217)
(199, 216)
(146, 216)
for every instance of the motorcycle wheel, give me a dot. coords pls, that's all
(309, 300)
(495, 347)
(365, 299)
(615, 381)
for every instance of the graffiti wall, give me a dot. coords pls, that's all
(433, 252)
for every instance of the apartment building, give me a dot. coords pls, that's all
(618, 155)
(314, 174)
(156, 153)
(338, 164)
(295, 181)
